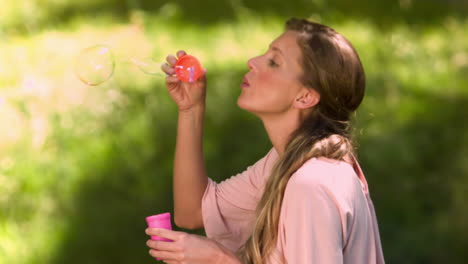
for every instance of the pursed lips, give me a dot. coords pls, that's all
(245, 82)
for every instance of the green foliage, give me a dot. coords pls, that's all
(80, 167)
(34, 15)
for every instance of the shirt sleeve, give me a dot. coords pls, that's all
(311, 230)
(228, 208)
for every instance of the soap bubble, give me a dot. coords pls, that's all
(95, 65)
(148, 65)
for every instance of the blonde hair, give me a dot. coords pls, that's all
(332, 67)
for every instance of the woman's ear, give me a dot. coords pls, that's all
(307, 98)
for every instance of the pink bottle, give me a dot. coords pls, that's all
(160, 221)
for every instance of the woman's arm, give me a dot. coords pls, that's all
(190, 178)
(227, 257)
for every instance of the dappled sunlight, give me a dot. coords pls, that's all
(12, 124)
(38, 71)
(12, 241)
(38, 85)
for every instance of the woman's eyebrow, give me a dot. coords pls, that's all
(274, 48)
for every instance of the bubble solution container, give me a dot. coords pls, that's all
(188, 68)
(160, 221)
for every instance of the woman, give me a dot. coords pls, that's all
(306, 201)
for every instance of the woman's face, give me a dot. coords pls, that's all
(272, 83)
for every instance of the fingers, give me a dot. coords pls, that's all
(164, 255)
(180, 53)
(169, 70)
(162, 245)
(164, 233)
(171, 81)
(168, 67)
(171, 59)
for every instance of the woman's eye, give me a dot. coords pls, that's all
(272, 63)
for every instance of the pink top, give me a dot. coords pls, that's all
(327, 215)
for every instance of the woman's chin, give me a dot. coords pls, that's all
(242, 104)
(249, 106)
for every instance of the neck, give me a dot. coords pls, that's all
(280, 127)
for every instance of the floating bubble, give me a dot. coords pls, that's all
(148, 66)
(95, 65)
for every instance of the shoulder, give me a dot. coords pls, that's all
(330, 177)
(267, 161)
(270, 158)
(262, 168)
(257, 173)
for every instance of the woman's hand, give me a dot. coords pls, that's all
(186, 248)
(185, 95)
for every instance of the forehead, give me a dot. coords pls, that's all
(287, 44)
(286, 41)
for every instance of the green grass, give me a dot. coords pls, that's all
(80, 167)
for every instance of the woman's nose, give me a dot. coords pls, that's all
(250, 63)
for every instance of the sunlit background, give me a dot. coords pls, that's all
(82, 166)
